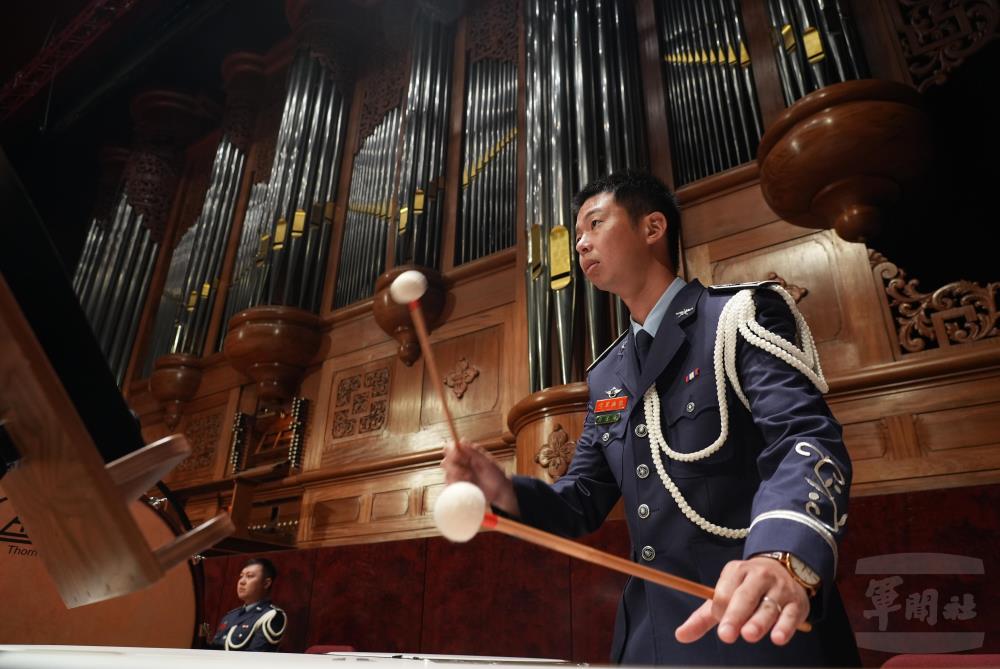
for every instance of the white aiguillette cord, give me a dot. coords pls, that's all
(739, 317)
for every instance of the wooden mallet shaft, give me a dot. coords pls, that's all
(600, 558)
(430, 364)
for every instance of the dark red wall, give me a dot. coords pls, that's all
(500, 596)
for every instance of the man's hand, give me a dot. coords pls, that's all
(751, 597)
(466, 461)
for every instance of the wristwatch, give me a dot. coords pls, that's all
(799, 570)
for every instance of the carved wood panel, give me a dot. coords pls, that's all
(808, 264)
(945, 428)
(382, 505)
(937, 36)
(359, 401)
(470, 364)
(204, 431)
(493, 30)
(960, 312)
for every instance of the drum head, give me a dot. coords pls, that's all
(161, 616)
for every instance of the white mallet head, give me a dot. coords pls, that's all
(408, 286)
(459, 510)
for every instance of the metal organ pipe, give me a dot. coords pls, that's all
(112, 278)
(576, 131)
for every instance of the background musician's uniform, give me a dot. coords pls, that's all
(257, 627)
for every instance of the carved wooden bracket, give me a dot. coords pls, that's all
(272, 345)
(394, 319)
(841, 155)
(173, 383)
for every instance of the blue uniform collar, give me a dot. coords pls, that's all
(659, 310)
(263, 603)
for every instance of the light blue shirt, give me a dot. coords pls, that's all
(659, 309)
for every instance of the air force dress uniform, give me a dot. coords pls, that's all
(256, 627)
(732, 452)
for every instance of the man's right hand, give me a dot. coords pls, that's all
(466, 461)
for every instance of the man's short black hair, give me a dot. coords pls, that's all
(639, 193)
(266, 567)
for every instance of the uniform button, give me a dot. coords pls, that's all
(643, 511)
(640, 430)
(642, 471)
(648, 554)
(605, 437)
(690, 407)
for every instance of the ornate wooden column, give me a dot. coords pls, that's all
(165, 122)
(329, 30)
(546, 426)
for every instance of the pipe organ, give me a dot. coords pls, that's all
(421, 179)
(366, 226)
(815, 45)
(291, 215)
(247, 273)
(584, 119)
(112, 279)
(715, 117)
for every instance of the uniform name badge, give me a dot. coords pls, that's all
(609, 410)
(611, 404)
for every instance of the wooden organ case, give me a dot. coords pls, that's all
(800, 138)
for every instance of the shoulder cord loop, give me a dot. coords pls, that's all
(263, 625)
(739, 317)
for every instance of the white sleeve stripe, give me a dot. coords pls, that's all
(806, 520)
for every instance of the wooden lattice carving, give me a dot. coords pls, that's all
(937, 36)
(959, 312)
(362, 399)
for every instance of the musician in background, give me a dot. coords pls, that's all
(257, 625)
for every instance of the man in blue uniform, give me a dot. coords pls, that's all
(707, 418)
(258, 624)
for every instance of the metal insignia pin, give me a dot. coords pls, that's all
(612, 391)
(684, 312)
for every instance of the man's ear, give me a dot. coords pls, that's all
(267, 583)
(654, 226)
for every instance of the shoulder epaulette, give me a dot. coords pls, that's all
(737, 287)
(607, 350)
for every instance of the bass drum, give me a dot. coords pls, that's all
(163, 615)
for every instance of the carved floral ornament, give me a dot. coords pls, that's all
(555, 454)
(937, 36)
(461, 377)
(956, 313)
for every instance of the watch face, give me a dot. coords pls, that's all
(803, 571)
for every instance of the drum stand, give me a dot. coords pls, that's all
(75, 507)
